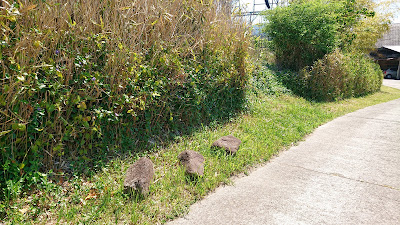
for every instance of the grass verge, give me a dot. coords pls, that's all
(272, 123)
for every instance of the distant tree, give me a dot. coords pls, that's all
(361, 24)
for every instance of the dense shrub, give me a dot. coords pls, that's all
(367, 74)
(328, 78)
(302, 32)
(311, 36)
(306, 30)
(81, 77)
(337, 76)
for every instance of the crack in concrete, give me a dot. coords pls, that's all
(348, 178)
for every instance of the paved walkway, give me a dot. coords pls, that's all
(391, 83)
(346, 172)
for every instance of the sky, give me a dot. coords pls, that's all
(248, 5)
(397, 15)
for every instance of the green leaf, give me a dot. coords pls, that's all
(21, 78)
(18, 126)
(82, 106)
(35, 148)
(51, 108)
(156, 94)
(4, 132)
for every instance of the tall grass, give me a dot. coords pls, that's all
(84, 78)
(335, 77)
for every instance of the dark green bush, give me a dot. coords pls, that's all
(339, 76)
(306, 30)
(367, 74)
(302, 32)
(310, 36)
(83, 80)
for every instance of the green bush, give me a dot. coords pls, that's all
(367, 75)
(328, 78)
(306, 30)
(311, 36)
(338, 76)
(83, 79)
(302, 32)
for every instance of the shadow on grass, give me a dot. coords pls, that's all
(289, 79)
(138, 139)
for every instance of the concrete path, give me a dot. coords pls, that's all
(346, 172)
(391, 83)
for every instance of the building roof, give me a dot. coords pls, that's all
(395, 48)
(391, 38)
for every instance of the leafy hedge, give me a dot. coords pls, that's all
(325, 41)
(336, 76)
(302, 32)
(81, 79)
(306, 30)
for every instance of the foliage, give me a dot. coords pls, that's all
(82, 80)
(264, 81)
(306, 30)
(367, 74)
(328, 78)
(325, 41)
(361, 24)
(368, 31)
(336, 76)
(302, 32)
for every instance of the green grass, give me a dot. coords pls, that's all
(272, 123)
